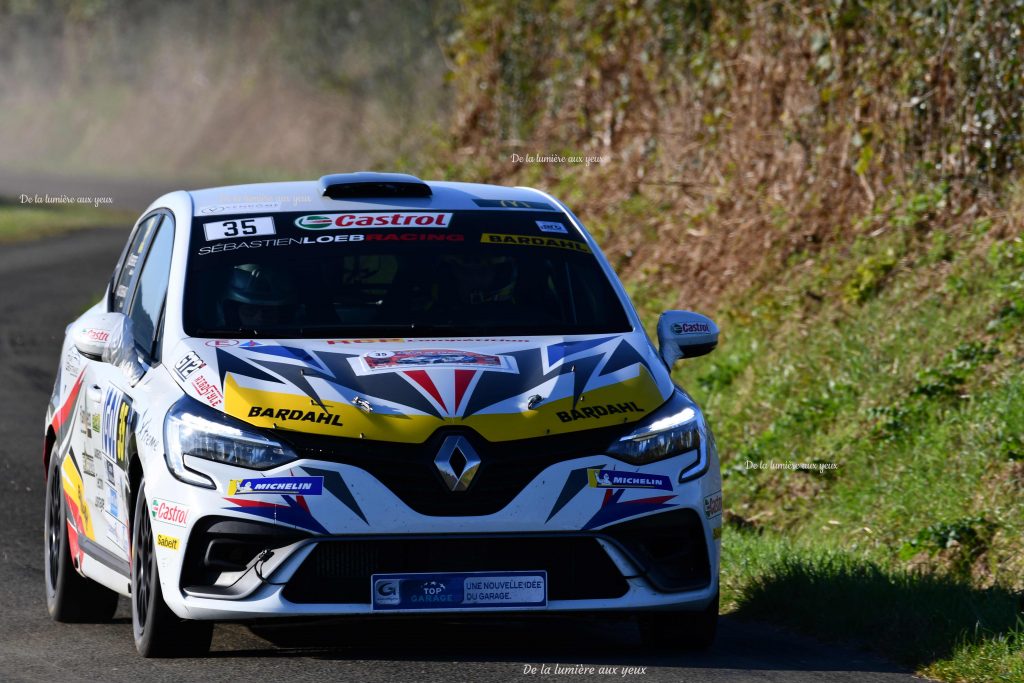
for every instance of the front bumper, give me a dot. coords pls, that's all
(623, 549)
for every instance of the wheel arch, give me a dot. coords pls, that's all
(134, 473)
(49, 439)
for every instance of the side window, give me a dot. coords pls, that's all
(147, 304)
(129, 269)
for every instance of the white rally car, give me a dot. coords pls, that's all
(374, 395)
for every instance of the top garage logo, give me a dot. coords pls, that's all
(334, 221)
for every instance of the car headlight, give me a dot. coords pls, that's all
(191, 428)
(674, 429)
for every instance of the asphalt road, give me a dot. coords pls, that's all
(43, 286)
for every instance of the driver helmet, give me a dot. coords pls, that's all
(259, 296)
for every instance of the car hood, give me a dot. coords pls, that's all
(403, 390)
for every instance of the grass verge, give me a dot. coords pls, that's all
(937, 624)
(897, 359)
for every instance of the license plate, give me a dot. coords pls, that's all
(460, 590)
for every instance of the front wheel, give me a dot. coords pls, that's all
(693, 631)
(70, 597)
(158, 631)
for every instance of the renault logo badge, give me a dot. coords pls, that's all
(457, 462)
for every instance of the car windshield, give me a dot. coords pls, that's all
(407, 273)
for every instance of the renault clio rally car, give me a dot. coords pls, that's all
(372, 395)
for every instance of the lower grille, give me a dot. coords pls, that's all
(669, 548)
(339, 571)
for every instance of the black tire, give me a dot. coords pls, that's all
(70, 597)
(688, 631)
(158, 631)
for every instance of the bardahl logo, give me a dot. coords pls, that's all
(286, 415)
(374, 220)
(533, 241)
(599, 411)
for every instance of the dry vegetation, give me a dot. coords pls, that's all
(736, 130)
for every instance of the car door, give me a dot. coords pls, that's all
(138, 290)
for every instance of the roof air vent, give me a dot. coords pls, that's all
(368, 185)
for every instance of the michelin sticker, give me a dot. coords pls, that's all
(614, 479)
(304, 486)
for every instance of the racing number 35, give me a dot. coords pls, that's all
(239, 227)
(246, 226)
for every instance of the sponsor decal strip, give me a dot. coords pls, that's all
(208, 391)
(252, 206)
(97, 335)
(552, 226)
(534, 241)
(306, 486)
(332, 239)
(713, 505)
(285, 415)
(188, 364)
(598, 411)
(335, 221)
(118, 420)
(385, 360)
(615, 479)
(169, 542)
(690, 328)
(459, 590)
(61, 416)
(169, 512)
(512, 204)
